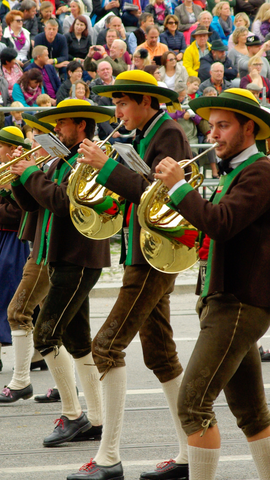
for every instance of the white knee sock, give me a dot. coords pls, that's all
(22, 342)
(36, 357)
(171, 390)
(114, 394)
(203, 463)
(91, 385)
(61, 368)
(260, 451)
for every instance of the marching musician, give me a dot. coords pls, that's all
(234, 305)
(143, 302)
(13, 252)
(74, 265)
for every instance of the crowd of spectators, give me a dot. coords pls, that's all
(53, 50)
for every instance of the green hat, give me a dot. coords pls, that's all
(13, 136)
(236, 100)
(74, 108)
(140, 82)
(33, 122)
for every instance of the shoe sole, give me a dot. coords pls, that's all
(64, 440)
(47, 401)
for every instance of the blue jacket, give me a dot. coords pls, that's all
(174, 42)
(55, 80)
(57, 49)
(216, 26)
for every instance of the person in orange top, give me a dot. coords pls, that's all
(154, 47)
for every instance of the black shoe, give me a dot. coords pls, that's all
(39, 364)
(92, 471)
(94, 433)
(51, 396)
(265, 355)
(167, 471)
(10, 396)
(66, 429)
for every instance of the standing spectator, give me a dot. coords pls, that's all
(196, 50)
(217, 54)
(205, 18)
(45, 14)
(78, 39)
(223, 21)
(171, 36)
(159, 10)
(51, 80)
(11, 70)
(76, 9)
(140, 59)
(16, 36)
(239, 38)
(138, 36)
(216, 79)
(74, 71)
(256, 26)
(154, 47)
(56, 44)
(188, 14)
(28, 88)
(171, 72)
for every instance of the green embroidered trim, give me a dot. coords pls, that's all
(26, 174)
(130, 237)
(179, 194)
(16, 183)
(23, 225)
(106, 171)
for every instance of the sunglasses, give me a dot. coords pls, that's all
(171, 59)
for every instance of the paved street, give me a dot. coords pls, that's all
(148, 436)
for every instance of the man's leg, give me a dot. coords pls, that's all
(32, 289)
(229, 331)
(64, 318)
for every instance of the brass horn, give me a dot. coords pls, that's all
(95, 211)
(6, 176)
(168, 241)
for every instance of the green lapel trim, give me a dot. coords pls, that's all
(128, 260)
(143, 145)
(225, 181)
(23, 225)
(58, 175)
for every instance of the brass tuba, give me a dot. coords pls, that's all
(94, 210)
(169, 243)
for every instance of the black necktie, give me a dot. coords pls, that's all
(224, 167)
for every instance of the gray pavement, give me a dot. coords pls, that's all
(148, 435)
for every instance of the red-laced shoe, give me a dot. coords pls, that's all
(167, 470)
(93, 471)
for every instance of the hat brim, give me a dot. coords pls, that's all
(33, 122)
(204, 105)
(99, 114)
(9, 140)
(164, 95)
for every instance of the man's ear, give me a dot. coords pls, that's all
(146, 101)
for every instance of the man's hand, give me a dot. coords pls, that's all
(62, 64)
(21, 166)
(169, 172)
(92, 154)
(112, 4)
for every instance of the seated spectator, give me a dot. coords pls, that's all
(249, 8)
(255, 89)
(205, 18)
(115, 58)
(240, 20)
(223, 21)
(141, 59)
(158, 9)
(104, 77)
(111, 35)
(30, 21)
(256, 26)
(46, 13)
(239, 38)
(138, 36)
(51, 80)
(16, 36)
(255, 65)
(61, 10)
(216, 79)
(43, 100)
(174, 39)
(188, 13)
(217, 54)
(211, 4)
(11, 70)
(78, 39)
(265, 25)
(56, 44)
(154, 47)
(255, 47)
(101, 8)
(197, 50)
(155, 71)
(81, 91)
(15, 119)
(130, 14)
(2, 44)
(172, 72)
(115, 23)
(76, 9)
(193, 84)
(28, 88)
(75, 72)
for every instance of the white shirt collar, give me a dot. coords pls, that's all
(241, 157)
